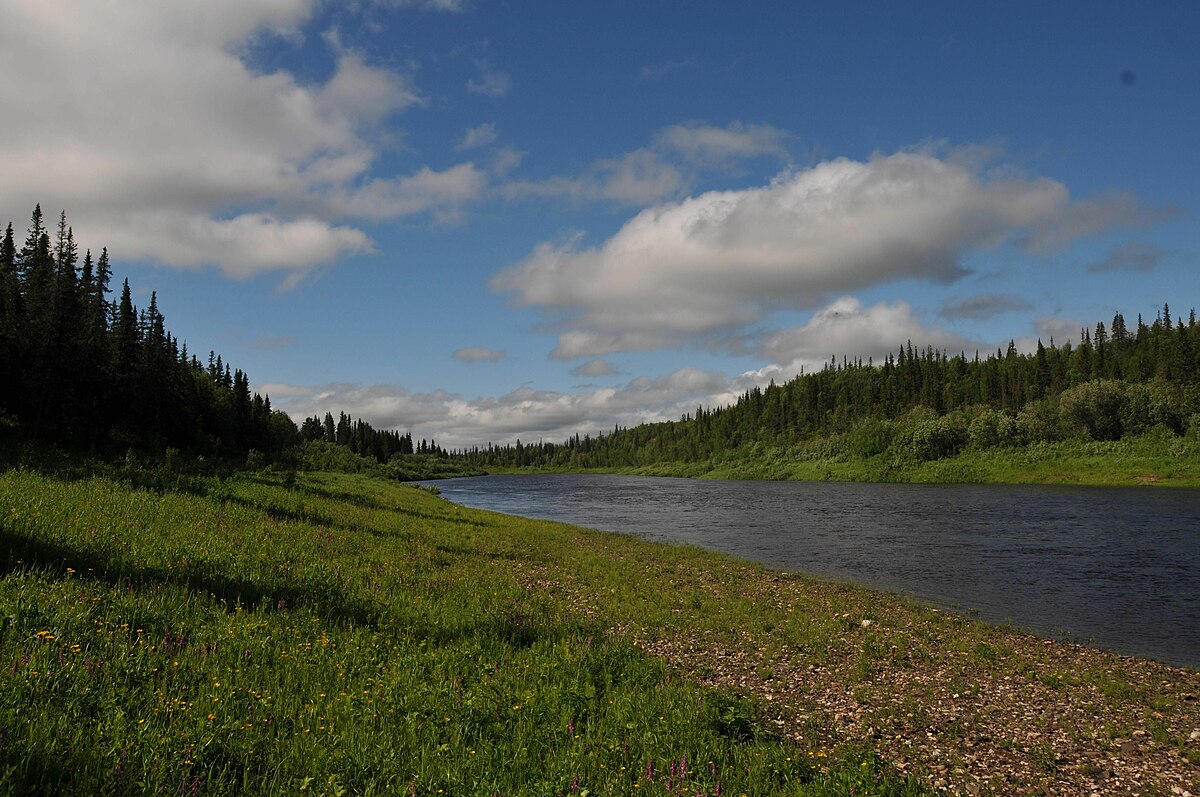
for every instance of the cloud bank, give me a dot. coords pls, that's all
(525, 413)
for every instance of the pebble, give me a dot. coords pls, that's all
(1194, 735)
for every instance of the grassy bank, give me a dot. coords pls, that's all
(1149, 459)
(350, 636)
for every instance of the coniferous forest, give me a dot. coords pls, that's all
(1118, 380)
(83, 371)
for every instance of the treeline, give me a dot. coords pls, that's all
(924, 404)
(363, 439)
(84, 372)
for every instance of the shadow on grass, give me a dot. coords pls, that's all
(366, 502)
(324, 600)
(515, 626)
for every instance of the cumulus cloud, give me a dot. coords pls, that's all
(710, 264)
(178, 151)
(847, 327)
(478, 354)
(1129, 257)
(491, 82)
(525, 413)
(978, 308)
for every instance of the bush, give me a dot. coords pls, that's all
(1096, 409)
(933, 439)
(993, 428)
(1151, 405)
(1193, 426)
(1039, 422)
(872, 438)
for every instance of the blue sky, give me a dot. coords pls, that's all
(480, 221)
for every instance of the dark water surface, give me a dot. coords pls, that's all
(1114, 567)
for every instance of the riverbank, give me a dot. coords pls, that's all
(1153, 459)
(349, 634)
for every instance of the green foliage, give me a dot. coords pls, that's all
(872, 438)
(932, 439)
(992, 428)
(348, 636)
(1096, 409)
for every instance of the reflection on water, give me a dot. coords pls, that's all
(1118, 568)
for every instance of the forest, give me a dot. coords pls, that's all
(922, 404)
(87, 373)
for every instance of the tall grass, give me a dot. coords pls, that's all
(346, 636)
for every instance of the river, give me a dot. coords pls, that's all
(1117, 568)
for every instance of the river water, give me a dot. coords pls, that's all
(1112, 567)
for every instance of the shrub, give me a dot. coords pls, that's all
(992, 428)
(1096, 408)
(872, 438)
(1039, 422)
(933, 439)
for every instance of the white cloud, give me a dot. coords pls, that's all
(150, 127)
(848, 328)
(491, 82)
(478, 354)
(528, 414)
(243, 246)
(427, 190)
(479, 136)
(711, 264)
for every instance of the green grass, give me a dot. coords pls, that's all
(1150, 459)
(348, 636)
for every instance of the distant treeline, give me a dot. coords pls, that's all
(924, 404)
(82, 372)
(362, 439)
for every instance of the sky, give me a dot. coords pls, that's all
(482, 221)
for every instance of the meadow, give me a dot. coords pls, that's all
(342, 635)
(324, 633)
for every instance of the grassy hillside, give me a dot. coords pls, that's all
(351, 636)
